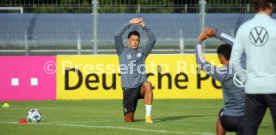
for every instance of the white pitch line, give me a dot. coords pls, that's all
(137, 129)
(120, 128)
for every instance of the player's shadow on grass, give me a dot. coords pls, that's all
(176, 118)
(172, 118)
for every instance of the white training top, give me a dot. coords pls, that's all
(258, 38)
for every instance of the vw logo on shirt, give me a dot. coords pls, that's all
(258, 36)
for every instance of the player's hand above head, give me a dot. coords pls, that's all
(202, 36)
(136, 21)
(210, 32)
(142, 24)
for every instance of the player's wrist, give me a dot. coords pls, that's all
(143, 25)
(201, 38)
(218, 34)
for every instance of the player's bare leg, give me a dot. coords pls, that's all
(220, 129)
(146, 91)
(129, 117)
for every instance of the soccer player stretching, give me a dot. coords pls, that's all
(257, 37)
(133, 73)
(231, 115)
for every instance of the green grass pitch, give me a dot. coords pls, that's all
(105, 117)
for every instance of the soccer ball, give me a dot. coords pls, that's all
(34, 115)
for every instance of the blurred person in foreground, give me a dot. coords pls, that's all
(257, 37)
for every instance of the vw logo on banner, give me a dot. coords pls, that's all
(258, 36)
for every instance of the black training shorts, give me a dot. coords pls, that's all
(231, 123)
(130, 99)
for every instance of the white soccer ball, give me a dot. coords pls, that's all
(34, 115)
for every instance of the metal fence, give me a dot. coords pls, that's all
(87, 27)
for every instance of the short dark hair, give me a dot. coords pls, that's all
(261, 4)
(136, 33)
(225, 50)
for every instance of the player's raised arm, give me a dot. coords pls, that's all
(211, 32)
(225, 38)
(119, 46)
(216, 72)
(151, 39)
(199, 49)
